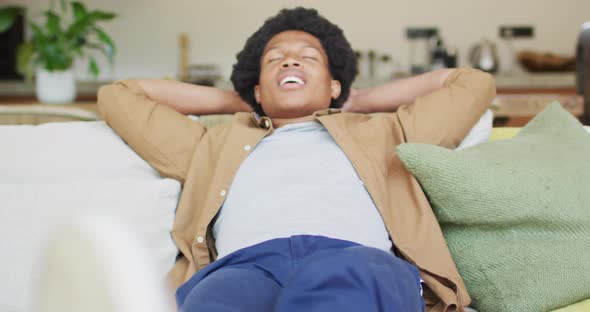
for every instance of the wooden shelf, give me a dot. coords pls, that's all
(19, 99)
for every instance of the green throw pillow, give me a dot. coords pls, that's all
(515, 213)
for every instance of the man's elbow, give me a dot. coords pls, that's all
(104, 97)
(110, 97)
(104, 92)
(487, 88)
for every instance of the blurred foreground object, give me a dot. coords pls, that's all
(97, 264)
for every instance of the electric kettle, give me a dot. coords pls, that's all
(484, 56)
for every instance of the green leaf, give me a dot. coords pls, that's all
(77, 43)
(56, 49)
(24, 58)
(54, 56)
(52, 24)
(79, 27)
(101, 16)
(99, 47)
(93, 67)
(87, 21)
(79, 10)
(8, 15)
(108, 42)
(38, 34)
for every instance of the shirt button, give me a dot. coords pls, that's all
(223, 192)
(247, 147)
(200, 239)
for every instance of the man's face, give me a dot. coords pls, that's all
(295, 79)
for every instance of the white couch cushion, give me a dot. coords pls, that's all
(65, 152)
(480, 132)
(53, 173)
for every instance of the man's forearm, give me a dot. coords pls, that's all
(388, 97)
(192, 99)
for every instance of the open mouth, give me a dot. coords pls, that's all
(291, 81)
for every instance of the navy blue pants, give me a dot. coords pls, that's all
(304, 273)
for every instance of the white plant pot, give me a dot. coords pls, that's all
(55, 87)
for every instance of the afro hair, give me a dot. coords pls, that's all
(341, 57)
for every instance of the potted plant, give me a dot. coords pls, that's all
(69, 32)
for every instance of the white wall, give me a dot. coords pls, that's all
(146, 31)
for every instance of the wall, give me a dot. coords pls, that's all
(146, 31)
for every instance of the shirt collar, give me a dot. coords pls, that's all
(327, 111)
(261, 121)
(265, 123)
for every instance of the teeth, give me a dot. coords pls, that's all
(292, 79)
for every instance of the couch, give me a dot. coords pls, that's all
(85, 220)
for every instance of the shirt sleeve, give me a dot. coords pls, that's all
(160, 135)
(445, 116)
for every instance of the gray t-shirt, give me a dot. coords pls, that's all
(297, 181)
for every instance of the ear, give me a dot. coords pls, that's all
(336, 88)
(257, 93)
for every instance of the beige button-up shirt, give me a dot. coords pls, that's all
(205, 160)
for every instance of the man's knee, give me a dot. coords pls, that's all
(233, 289)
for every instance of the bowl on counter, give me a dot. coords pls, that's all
(546, 62)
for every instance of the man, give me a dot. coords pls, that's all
(300, 206)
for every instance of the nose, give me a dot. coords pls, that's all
(290, 62)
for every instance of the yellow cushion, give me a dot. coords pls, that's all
(503, 133)
(582, 306)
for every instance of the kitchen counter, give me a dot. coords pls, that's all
(519, 80)
(503, 81)
(535, 81)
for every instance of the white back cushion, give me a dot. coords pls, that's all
(50, 174)
(65, 152)
(480, 132)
